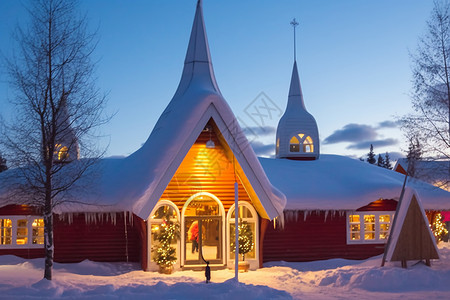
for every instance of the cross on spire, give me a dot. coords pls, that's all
(294, 24)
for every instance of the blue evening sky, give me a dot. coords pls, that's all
(353, 59)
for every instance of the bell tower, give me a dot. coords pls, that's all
(297, 133)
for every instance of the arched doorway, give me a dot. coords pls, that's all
(203, 230)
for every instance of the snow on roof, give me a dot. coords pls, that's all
(137, 182)
(336, 182)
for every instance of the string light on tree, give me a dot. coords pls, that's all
(245, 240)
(438, 228)
(165, 255)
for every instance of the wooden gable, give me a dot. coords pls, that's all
(206, 170)
(414, 241)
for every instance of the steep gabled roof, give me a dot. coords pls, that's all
(145, 174)
(411, 237)
(296, 119)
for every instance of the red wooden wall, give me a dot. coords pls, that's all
(98, 241)
(79, 240)
(317, 238)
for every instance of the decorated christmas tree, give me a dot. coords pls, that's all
(245, 240)
(165, 255)
(438, 228)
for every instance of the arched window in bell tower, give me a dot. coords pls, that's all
(301, 143)
(308, 145)
(294, 144)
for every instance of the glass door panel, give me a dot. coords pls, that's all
(211, 240)
(203, 237)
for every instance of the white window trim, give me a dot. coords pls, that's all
(361, 214)
(29, 244)
(151, 265)
(254, 262)
(183, 230)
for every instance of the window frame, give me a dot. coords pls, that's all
(152, 265)
(254, 262)
(362, 214)
(29, 244)
(303, 142)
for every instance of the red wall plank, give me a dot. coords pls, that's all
(19, 210)
(101, 241)
(314, 239)
(24, 253)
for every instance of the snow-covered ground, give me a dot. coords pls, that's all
(332, 279)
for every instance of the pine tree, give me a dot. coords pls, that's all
(380, 161)
(387, 161)
(245, 240)
(439, 229)
(3, 166)
(371, 156)
(169, 231)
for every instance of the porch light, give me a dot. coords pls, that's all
(210, 144)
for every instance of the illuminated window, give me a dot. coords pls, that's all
(308, 145)
(164, 210)
(355, 227)
(38, 231)
(294, 145)
(385, 222)
(368, 227)
(21, 232)
(5, 232)
(277, 149)
(248, 222)
(63, 153)
(301, 143)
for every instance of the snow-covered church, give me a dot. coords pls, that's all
(300, 206)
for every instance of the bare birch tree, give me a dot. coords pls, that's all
(430, 124)
(50, 144)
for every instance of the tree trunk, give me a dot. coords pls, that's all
(48, 231)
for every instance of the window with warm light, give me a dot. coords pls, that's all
(63, 153)
(301, 143)
(5, 232)
(248, 223)
(165, 209)
(308, 145)
(368, 227)
(21, 232)
(38, 231)
(294, 145)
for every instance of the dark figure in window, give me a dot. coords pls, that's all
(193, 236)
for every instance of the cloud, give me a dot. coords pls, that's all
(352, 133)
(263, 149)
(375, 143)
(259, 131)
(388, 124)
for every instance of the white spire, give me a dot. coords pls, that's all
(295, 99)
(198, 48)
(297, 132)
(197, 64)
